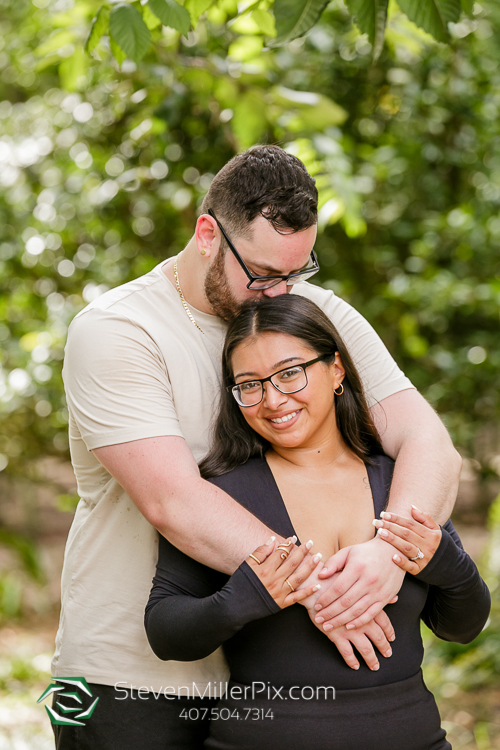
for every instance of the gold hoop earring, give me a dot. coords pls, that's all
(341, 392)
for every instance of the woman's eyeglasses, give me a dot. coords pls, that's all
(266, 282)
(290, 380)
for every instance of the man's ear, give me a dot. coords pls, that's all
(207, 236)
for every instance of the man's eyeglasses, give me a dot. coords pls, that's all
(266, 282)
(290, 380)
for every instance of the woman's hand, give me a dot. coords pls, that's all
(282, 576)
(411, 536)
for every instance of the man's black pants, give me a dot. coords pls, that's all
(134, 723)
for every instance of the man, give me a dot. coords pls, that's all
(142, 374)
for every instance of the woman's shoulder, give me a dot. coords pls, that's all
(380, 471)
(249, 471)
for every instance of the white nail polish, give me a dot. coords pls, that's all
(317, 557)
(309, 544)
(385, 515)
(270, 541)
(294, 539)
(317, 587)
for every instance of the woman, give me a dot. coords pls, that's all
(295, 444)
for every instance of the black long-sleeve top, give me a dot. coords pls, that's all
(193, 609)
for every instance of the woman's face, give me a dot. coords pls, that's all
(309, 413)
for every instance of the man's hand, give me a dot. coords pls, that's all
(378, 632)
(369, 580)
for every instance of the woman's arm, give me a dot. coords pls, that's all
(458, 602)
(188, 617)
(193, 609)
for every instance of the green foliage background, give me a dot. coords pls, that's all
(103, 166)
(102, 169)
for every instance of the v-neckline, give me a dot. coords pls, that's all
(369, 470)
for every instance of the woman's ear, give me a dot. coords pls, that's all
(337, 371)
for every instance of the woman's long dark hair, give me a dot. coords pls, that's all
(234, 441)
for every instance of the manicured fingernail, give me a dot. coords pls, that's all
(350, 626)
(383, 532)
(294, 539)
(414, 506)
(388, 653)
(317, 587)
(317, 557)
(384, 514)
(377, 523)
(396, 558)
(270, 541)
(309, 544)
(319, 620)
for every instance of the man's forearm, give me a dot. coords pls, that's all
(427, 467)
(425, 477)
(207, 524)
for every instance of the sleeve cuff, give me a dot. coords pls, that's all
(442, 569)
(246, 597)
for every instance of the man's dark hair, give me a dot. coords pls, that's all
(234, 441)
(264, 181)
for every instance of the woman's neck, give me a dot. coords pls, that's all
(319, 455)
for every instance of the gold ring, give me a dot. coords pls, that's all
(291, 587)
(256, 559)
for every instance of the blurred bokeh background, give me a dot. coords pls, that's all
(102, 169)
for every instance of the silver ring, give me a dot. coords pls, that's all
(420, 555)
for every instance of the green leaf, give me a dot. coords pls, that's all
(312, 111)
(294, 18)
(467, 6)
(129, 31)
(370, 17)
(100, 27)
(249, 122)
(72, 71)
(117, 51)
(171, 14)
(264, 21)
(149, 18)
(245, 48)
(432, 16)
(196, 8)
(55, 41)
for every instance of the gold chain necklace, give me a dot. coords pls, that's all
(184, 303)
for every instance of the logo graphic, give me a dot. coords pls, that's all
(69, 714)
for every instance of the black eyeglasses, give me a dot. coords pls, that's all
(290, 380)
(266, 282)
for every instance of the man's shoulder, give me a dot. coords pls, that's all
(115, 300)
(316, 294)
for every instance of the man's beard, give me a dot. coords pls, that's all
(222, 300)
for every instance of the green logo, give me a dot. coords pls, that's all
(69, 714)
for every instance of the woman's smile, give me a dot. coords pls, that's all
(284, 420)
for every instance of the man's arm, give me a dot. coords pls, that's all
(427, 466)
(426, 474)
(161, 476)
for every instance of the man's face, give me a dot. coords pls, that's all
(266, 253)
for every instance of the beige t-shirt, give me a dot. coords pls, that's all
(136, 367)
